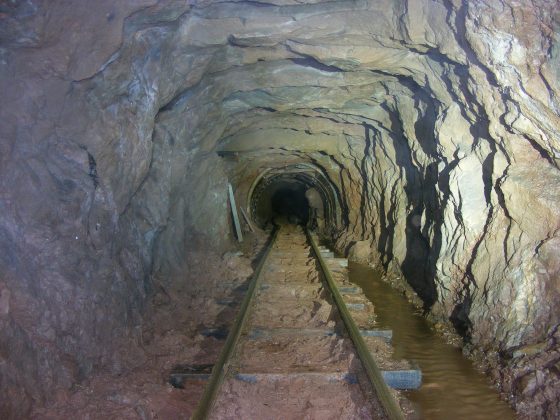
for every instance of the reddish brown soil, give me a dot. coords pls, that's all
(304, 364)
(294, 360)
(182, 309)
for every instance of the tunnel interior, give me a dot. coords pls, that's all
(288, 201)
(428, 129)
(284, 191)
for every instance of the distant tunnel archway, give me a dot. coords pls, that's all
(278, 191)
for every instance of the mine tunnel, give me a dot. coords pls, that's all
(150, 150)
(301, 191)
(289, 201)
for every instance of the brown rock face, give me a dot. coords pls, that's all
(361, 252)
(430, 128)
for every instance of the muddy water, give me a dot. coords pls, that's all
(452, 388)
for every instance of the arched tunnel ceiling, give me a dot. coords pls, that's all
(305, 69)
(300, 81)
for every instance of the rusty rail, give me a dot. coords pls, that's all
(221, 366)
(392, 409)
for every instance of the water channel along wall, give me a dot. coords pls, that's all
(427, 131)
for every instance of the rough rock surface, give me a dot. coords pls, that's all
(436, 122)
(185, 325)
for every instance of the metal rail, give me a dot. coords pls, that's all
(221, 367)
(392, 409)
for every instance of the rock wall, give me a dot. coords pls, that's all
(94, 198)
(436, 121)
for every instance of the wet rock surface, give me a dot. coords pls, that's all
(435, 124)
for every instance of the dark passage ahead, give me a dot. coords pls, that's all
(290, 202)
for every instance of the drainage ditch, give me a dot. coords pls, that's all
(452, 386)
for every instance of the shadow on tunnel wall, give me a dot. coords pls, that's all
(419, 264)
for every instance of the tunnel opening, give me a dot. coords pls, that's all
(290, 204)
(299, 193)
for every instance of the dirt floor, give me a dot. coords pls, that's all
(185, 325)
(294, 361)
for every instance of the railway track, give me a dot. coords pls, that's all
(296, 348)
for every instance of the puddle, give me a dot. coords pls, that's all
(452, 387)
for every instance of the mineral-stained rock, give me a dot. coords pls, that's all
(360, 252)
(435, 124)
